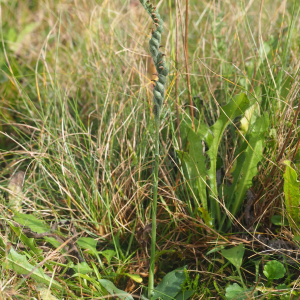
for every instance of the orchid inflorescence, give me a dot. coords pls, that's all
(158, 98)
(158, 57)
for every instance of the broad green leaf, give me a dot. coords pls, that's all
(11, 35)
(25, 31)
(292, 194)
(274, 270)
(186, 126)
(187, 165)
(282, 286)
(32, 222)
(45, 293)
(296, 238)
(114, 291)
(82, 268)
(234, 291)
(135, 277)
(30, 243)
(260, 126)
(88, 244)
(235, 255)
(51, 240)
(198, 166)
(201, 129)
(234, 108)
(16, 195)
(170, 285)
(279, 220)
(108, 254)
(189, 171)
(195, 179)
(251, 154)
(20, 265)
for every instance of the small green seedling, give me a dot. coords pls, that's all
(279, 220)
(89, 244)
(274, 270)
(172, 286)
(235, 256)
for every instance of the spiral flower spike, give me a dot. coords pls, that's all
(158, 99)
(154, 45)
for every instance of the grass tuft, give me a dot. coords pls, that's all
(76, 119)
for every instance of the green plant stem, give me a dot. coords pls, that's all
(158, 99)
(154, 209)
(241, 277)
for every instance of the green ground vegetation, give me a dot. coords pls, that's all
(80, 138)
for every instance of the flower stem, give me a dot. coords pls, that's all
(154, 209)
